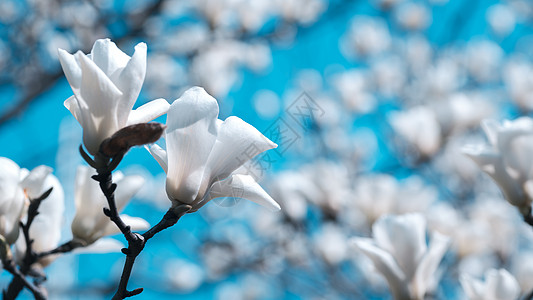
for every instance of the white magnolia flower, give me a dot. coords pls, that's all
(507, 159)
(45, 231)
(400, 252)
(498, 285)
(418, 126)
(11, 199)
(204, 152)
(106, 84)
(89, 223)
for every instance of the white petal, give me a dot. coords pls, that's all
(190, 136)
(501, 285)
(103, 245)
(130, 81)
(71, 68)
(148, 112)
(490, 127)
(491, 163)
(486, 158)
(98, 99)
(237, 142)
(386, 265)
(135, 223)
(428, 265)
(474, 289)
(404, 237)
(242, 186)
(108, 57)
(74, 107)
(12, 199)
(89, 202)
(126, 188)
(160, 155)
(33, 183)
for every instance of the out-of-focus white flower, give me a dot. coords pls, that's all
(331, 243)
(106, 84)
(89, 223)
(12, 199)
(389, 75)
(507, 159)
(354, 88)
(367, 36)
(523, 269)
(399, 251)
(183, 275)
(413, 16)
(498, 285)
(204, 152)
(461, 111)
(484, 59)
(501, 223)
(418, 53)
(419, 127)
(467, 237)
(518, 79)
(383, 194)
(45, 231)
(502, 19)
(333, 184)
(216, 67)
(293, 190)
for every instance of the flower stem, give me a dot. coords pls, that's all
(135, 240)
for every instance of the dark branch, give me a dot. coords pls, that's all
(20, 278)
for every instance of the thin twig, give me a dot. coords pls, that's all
(64, 248)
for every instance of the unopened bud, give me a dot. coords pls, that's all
(133, 135)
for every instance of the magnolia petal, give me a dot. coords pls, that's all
(242, 186)
(33, 183)
(190, 136)
(490, 128)
(427, 267)
(474, 289)
(491, 163)
(237, 142)
(108, 57)
(126, 188)
(12, 199)
(404, 237)
(74, 107)
(148, 112)
(89, 201)
(160, 155)
(501, 285)
(130, 81)
(486, 158)
(98, 98)
(385, 263)
(103, 245)
(71, 68)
